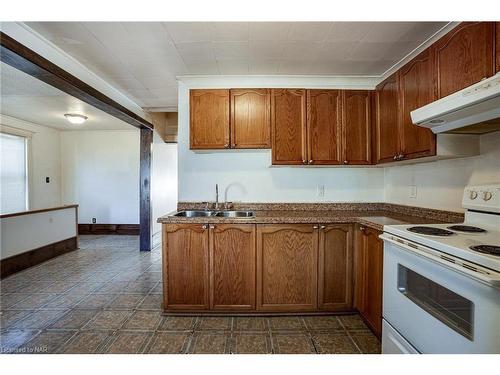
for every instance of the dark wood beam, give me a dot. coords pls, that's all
(145, 214)
(22, 58)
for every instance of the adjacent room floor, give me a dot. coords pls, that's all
(106, 298)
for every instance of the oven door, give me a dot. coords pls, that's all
(436, 308)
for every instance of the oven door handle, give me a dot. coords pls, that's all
(475, 272)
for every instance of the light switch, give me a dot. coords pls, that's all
(321, 190)
(413, 191)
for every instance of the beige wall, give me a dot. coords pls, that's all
(440, 184)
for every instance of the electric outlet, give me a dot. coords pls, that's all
(47, 180)
(94, 220)
(413, 191)
(321, 190)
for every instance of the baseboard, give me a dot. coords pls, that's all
(124, 229)
(31, 258)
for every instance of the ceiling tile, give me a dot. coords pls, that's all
(108, 33)
(230, 50)
(336, 50)
(269, 30)
(182, 32)
(349, 31)
(309, 31)
(229, 31)
(266, 50)
(202, 67)
(294, 67)
(301, 50)
(233, 66)
(197, 51)
(265, 67)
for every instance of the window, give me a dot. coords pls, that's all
(13, 173)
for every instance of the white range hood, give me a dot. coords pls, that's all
(473, 110)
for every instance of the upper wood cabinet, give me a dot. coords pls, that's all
(288, 124)
(287, 267)
(335, 283)
(368, 277)
(497, 47)
(464, 56)
(356, 127)
(185, 267)
(232, 267)
(324, 126)
(387, 143)
(416, 89)
(250, 118)
(209, 119)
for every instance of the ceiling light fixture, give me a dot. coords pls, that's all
(75, 118)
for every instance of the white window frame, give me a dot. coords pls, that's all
(29, 176)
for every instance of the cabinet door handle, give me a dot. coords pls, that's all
(310, 161)
(322, 227)
(304, 161)
(346, 162)
(212, 226)
(226, 145)
(204, 226)
(315, 227)
(395, 157)
(361, 228)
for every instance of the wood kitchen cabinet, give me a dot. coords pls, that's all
(497, 47)
(416, 89)
(287, 267)
(324, 126)
(250, 118)
(368, 263)
(209, 119)
(232, 267)
(185, 267)
(464, 56)
(386, 130)
(335, 282)
(288, 124)
(356, 129)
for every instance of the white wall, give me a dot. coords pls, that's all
(44, 228)
(100, 172)
(247, 175)
(163, 182)
(45, 161)
(440, 184)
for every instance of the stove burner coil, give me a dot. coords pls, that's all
(433, 231)
(487, 249)
(467, 229)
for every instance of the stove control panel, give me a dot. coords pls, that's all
(482, 197)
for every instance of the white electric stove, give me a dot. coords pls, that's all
(442, 281)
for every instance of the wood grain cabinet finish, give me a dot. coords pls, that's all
(368, 277)
(386, 133)
(497, 47)
(288, 124)
(416, 89)
(250, 118)
(324, 132)
(356, 127)
(185, 267)
(464, 56)
(209, 119)
(287, 267)
(335, 283)
(232, 267)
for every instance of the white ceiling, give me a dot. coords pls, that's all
(143, 59)
(29, 99)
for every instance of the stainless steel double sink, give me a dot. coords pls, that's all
(203, 213)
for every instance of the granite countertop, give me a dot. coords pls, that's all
(370, 215)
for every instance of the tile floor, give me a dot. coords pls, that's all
(106, 298)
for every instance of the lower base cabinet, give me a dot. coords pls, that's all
(368, 277)
(287, 267)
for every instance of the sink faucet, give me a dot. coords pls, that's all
(216, 207)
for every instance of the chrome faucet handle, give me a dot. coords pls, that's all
(228, 205)
(207, 206)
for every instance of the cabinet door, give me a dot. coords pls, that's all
(356, 127)
(497, 47)
(185, 267)
(250, 118)
(464, 56)
(368, 279)
(287, 267)
(416, 89)
(232, 267)
(386, 132)
(324, 117)
(335, 268)
(288, 123)
(209, 119)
